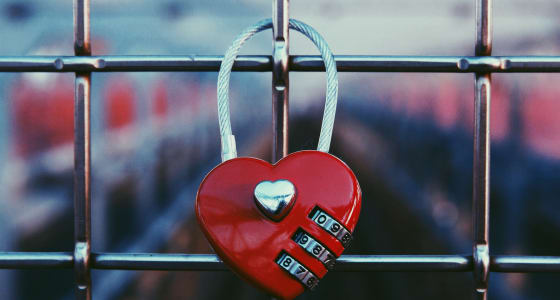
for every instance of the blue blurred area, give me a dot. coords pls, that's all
(408, 137)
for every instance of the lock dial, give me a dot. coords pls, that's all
(296, 269)
(315, 248)
(331, 226)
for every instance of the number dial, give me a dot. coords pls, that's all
(297, 270)
(332, 227)
(315, 248)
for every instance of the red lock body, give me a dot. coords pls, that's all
(249, 242)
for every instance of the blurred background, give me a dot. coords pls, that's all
(407, 136)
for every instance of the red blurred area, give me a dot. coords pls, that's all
(43, 112)
(500, 111)
(540, 110)
(43, 107)
(159, 103)
(449, 104)
(119, 103)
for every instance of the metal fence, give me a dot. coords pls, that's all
(483, 64)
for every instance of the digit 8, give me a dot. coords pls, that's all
(287, 262)
(317, 249)
(346, 238)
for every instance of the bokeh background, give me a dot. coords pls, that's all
(407, 136)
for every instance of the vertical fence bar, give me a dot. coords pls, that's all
(82, 155)
(481, 153)
(280, 79)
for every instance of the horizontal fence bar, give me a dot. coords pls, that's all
(400, 263)
(152, 261)
(346, 263)
(301, 63)
(36, 260)
(524, 264)
(136, 63)
(208, 262)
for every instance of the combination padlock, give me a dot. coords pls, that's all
(282, 226)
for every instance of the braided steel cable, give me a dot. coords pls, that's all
(227, 138)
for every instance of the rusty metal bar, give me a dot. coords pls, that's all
(297, 63)
(82, 155)
(481, 154)
(280, 78)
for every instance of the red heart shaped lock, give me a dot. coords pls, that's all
(279, 226)
(252, 243)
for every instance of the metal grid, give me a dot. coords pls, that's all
(479, 262)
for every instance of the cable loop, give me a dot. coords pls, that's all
(227, 139)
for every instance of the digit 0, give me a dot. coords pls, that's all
(322, 219)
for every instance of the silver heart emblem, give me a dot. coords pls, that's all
(275, 199)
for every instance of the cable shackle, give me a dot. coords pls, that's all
(229, 149)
